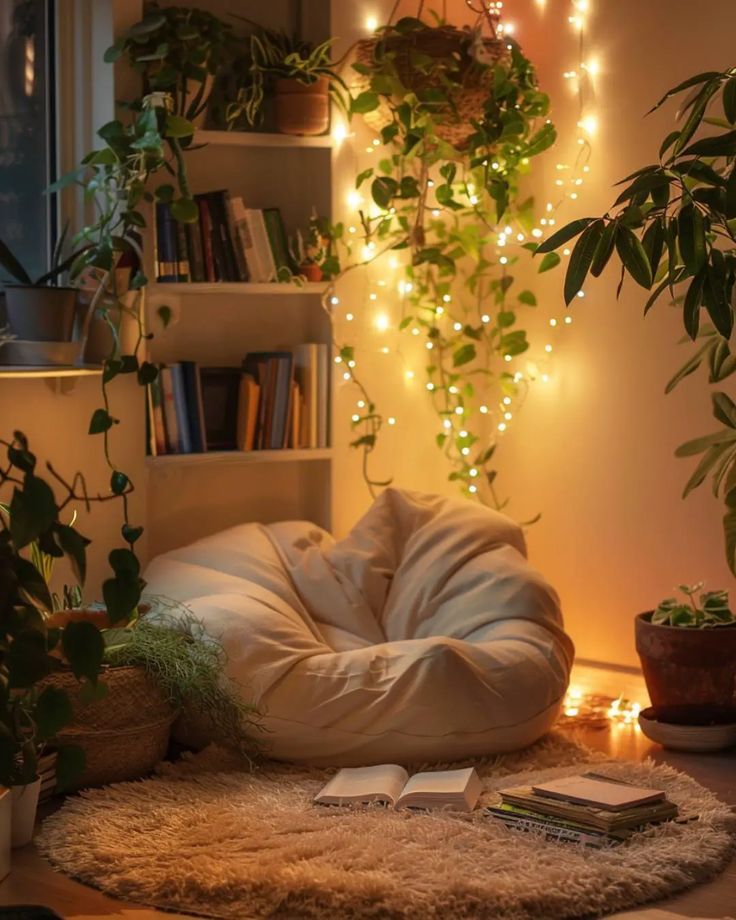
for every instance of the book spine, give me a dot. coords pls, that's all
(277, 242)
(196, 254)
(553, 833)
(323, 396)
(262, 246)
(205, 228)
(180, 407)
(159, 429)
(169, 410)
(222, 242)
(190, 378)
(258, 268)
(166, 267)
(182, 252)
(241, 266)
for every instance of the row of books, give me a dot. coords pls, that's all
(589, 810)
(276, 400)
(228, 242)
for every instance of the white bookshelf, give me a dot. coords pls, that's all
(217, 324)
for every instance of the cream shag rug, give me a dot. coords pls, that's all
(242, 845)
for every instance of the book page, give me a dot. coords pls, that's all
(440, 787)
(382, 783)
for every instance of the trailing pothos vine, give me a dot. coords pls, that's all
(445, 195)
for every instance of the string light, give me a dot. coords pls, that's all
(598, 711)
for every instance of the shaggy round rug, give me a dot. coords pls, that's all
(252, 845)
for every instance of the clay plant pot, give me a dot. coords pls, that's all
(302, 108)
(690, 673)
(311, 271)
(41, 314)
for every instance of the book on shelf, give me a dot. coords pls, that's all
(230, 242)
(390, 784)
(589, 808)
(276, 400)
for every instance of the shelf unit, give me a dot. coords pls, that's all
(217, 324)
(23, 372)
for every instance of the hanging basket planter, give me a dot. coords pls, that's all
(450, 70)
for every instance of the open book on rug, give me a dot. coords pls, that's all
(455, 790)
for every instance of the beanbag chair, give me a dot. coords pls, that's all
(423, 635)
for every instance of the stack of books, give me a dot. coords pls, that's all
(277, 400)
(589, 809)
(228, 242)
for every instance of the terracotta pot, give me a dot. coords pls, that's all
(311, 271)
(302, 108)
(41, 314)
(690, 673)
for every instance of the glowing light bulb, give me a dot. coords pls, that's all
(457, 327)
(568, 320)
(355, 418)
(338, 359)
(391, 420)
(465, 451)
(382, 322)
(473, 472)
(371, 23)
(339, 132)
(349, 317)
(409, 375)
(354, 199)
(361, 404)
(553, 322)
(484, 410)
(346, 375)
(548, 348)
(430, 387)
(459, 410)
(502, 426)
(506, 400)
(589, 124)
(473, 489)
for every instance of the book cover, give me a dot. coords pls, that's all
(305, 372)
(245, 240)
(205, 227)
(220, 387)
(194, 410)
(196, 254)
(157, 411)
(180, 407)
(282, 401)
(169, 410)
(261, 244)
(279, 244)
(247, 412)
(263, 366)
(241, 266)
(166, 257)
(222, 244)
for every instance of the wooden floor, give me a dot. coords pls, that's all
(32, 881)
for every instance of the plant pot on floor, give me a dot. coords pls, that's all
(24, 806)
(41, 314)
(302, 108)
(690, 673)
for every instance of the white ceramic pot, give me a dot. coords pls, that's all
(25, 803)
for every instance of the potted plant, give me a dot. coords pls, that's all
(310, 252)
(31, 714)
(41, 309)
(301, 76)
(176, 50)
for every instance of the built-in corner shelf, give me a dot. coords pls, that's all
(288, 455)
(20, 371)
(260, 139)
(273, 289)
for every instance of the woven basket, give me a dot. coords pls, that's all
(124, 735)
(474, 81)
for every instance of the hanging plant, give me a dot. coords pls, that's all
(460, 116)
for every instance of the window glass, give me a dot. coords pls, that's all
(26, 142)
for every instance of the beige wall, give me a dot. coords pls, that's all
(592, 450)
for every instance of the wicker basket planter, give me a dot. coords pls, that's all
(124, 735)
(443, 44)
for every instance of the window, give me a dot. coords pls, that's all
(26, 130)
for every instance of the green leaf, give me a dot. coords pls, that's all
(83, 647)
(70, 762)
(121, 596)
(709, 459)
(463, 355)
(688, 368)
(574, 228)
(52, 712)
(729, 100)
(26, 659)
(176, 126)
(147, 373)
(686, 84)
(550, 261)
(731, 194)
(604, 250)
(724, 409)
(364, 103)
(698, 445)
(101, 421)
(185, 210)
(691, 306)
(382, 191)
(75, 547)
(528, 298)
(729, 535)
(131, 534)
(12, 266)
(631, 252)
(31, 584)
(691, 235)
(581, 259)
(719, 145)
(32, 510)
(366, 174)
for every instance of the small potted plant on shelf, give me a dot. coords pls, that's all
(300, 75)
(40, 309)
(310, 251)
(177, 50)
(688, 655)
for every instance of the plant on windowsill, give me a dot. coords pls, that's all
(300, 76)
(688, 655)
(40, 309)
(176, 50)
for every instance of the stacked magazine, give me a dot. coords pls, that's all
(588, 809)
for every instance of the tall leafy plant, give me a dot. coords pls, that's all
(445, 195)
(673, 231)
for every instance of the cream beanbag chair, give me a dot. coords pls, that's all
(424, 635)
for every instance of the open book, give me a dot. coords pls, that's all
(457, 790)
